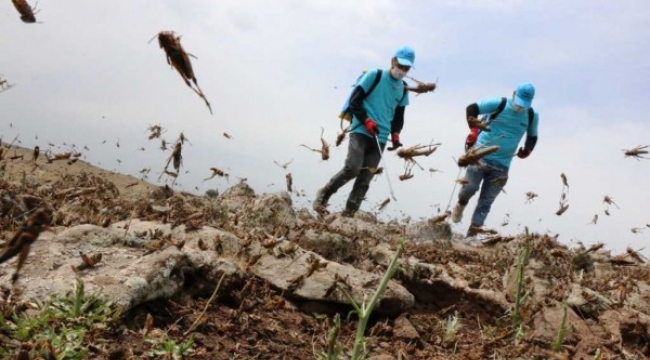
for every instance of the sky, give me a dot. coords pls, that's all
(277, 72)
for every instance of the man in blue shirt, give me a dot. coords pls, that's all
(514, 118)
(378, 110)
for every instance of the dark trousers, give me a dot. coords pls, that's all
(363, 154)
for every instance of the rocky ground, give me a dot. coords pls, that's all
(248, 276)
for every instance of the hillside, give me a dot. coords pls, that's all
(283, 275)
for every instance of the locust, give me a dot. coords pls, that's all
(35, 153)
(374, 170)
(227, 136)
(408, 174)
(87, 262)
(341, 136)
(383, 204)
(22, 240)
(27, 13)
(417, 150)
(180, 60)
(285, 165)
(216, 172)
(474, 155)
(594, 220)
(61, 156)
(176, 157)
(530, 196)
(325, 147)
(155, 131)
(565, 181)
(289, 180)
(440, 218)
(422, 87)
(637, 152)
(563, 207)
(637, 230)
(5, 85)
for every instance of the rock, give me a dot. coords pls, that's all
(273, 209)
(236, 197)
(587, 302)
(427, 230)
(547, 322)
(382, 357)
(293, 275)
(333, 247)
(403, 329)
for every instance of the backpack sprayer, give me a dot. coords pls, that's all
(383, 163)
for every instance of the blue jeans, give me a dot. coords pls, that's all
(494, 177)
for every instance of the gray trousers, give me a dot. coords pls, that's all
(363, 154)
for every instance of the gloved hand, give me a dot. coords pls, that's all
(523, 153)
(395, 139)
(471, 138)
(371, 126)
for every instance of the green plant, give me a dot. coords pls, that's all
(561, 332)
(451, 327)
(598, 354)
(167, 348)
(333, 348)
(63, 322)
(212, 193)
(519, 290)
(364, 310)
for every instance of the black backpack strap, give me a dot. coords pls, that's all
(531, 116)
(499, 109)
(374, 83)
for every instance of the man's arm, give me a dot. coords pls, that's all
(356, 104)
(471, 114)
(398, 120)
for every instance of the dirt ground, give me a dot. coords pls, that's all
(255, 321)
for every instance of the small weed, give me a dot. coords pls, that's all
(451, 328)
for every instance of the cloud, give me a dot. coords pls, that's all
(277, 72)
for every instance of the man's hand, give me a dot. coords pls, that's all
(471, 138)
(473, 122)
(523, 153)
(371, 126)
(395, 139)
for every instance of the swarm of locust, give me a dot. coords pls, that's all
(325, 147)
(180, 60)
(474, 155)
(637, 152)
(27, 13)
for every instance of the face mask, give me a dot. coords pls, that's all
(397, 73)
(517, 108)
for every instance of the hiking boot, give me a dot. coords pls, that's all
(457, 213)
(348, 213)
(320, 203)
(475, 230)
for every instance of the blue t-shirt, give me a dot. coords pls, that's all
(507, 130)
(380, 105)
